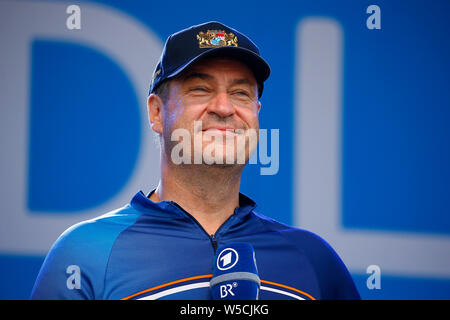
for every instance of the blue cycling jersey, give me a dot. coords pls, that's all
(157, 250)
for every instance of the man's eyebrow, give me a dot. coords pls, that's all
(243, 81)
(205, 76)
(194, 75)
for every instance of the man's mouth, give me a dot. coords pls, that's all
(220, 130)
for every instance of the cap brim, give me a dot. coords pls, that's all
(258, 65)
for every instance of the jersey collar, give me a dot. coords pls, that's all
(143, 204)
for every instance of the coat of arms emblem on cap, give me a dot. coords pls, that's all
(216, 38)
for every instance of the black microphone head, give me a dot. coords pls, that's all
(235, 274)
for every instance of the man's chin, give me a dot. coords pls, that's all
(226, 155)
(222, 167)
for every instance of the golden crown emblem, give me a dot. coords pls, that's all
(216, 38)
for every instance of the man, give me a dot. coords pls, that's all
(204, 105)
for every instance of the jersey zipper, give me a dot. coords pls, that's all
(212, 237)
(213, 242)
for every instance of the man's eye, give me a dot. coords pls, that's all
(199, 89)
(242, 93)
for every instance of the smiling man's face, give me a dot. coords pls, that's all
(216, 101)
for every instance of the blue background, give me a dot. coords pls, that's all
(396, 111)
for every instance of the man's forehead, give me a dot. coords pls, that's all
(210, 66)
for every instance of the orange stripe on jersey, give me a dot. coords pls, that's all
(168, 284)
(287, 287)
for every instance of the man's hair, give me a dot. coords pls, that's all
(162, 91)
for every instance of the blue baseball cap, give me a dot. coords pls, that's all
(211, 39)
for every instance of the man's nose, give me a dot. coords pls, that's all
(221, 105)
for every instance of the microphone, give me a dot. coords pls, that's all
(235, 275)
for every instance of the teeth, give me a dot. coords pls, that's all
(234, 131)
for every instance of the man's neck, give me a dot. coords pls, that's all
(209, 193)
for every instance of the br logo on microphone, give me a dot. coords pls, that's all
(226, 289)
(227, 259)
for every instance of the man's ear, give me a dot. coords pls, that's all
(155, 106)
(259, 106)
